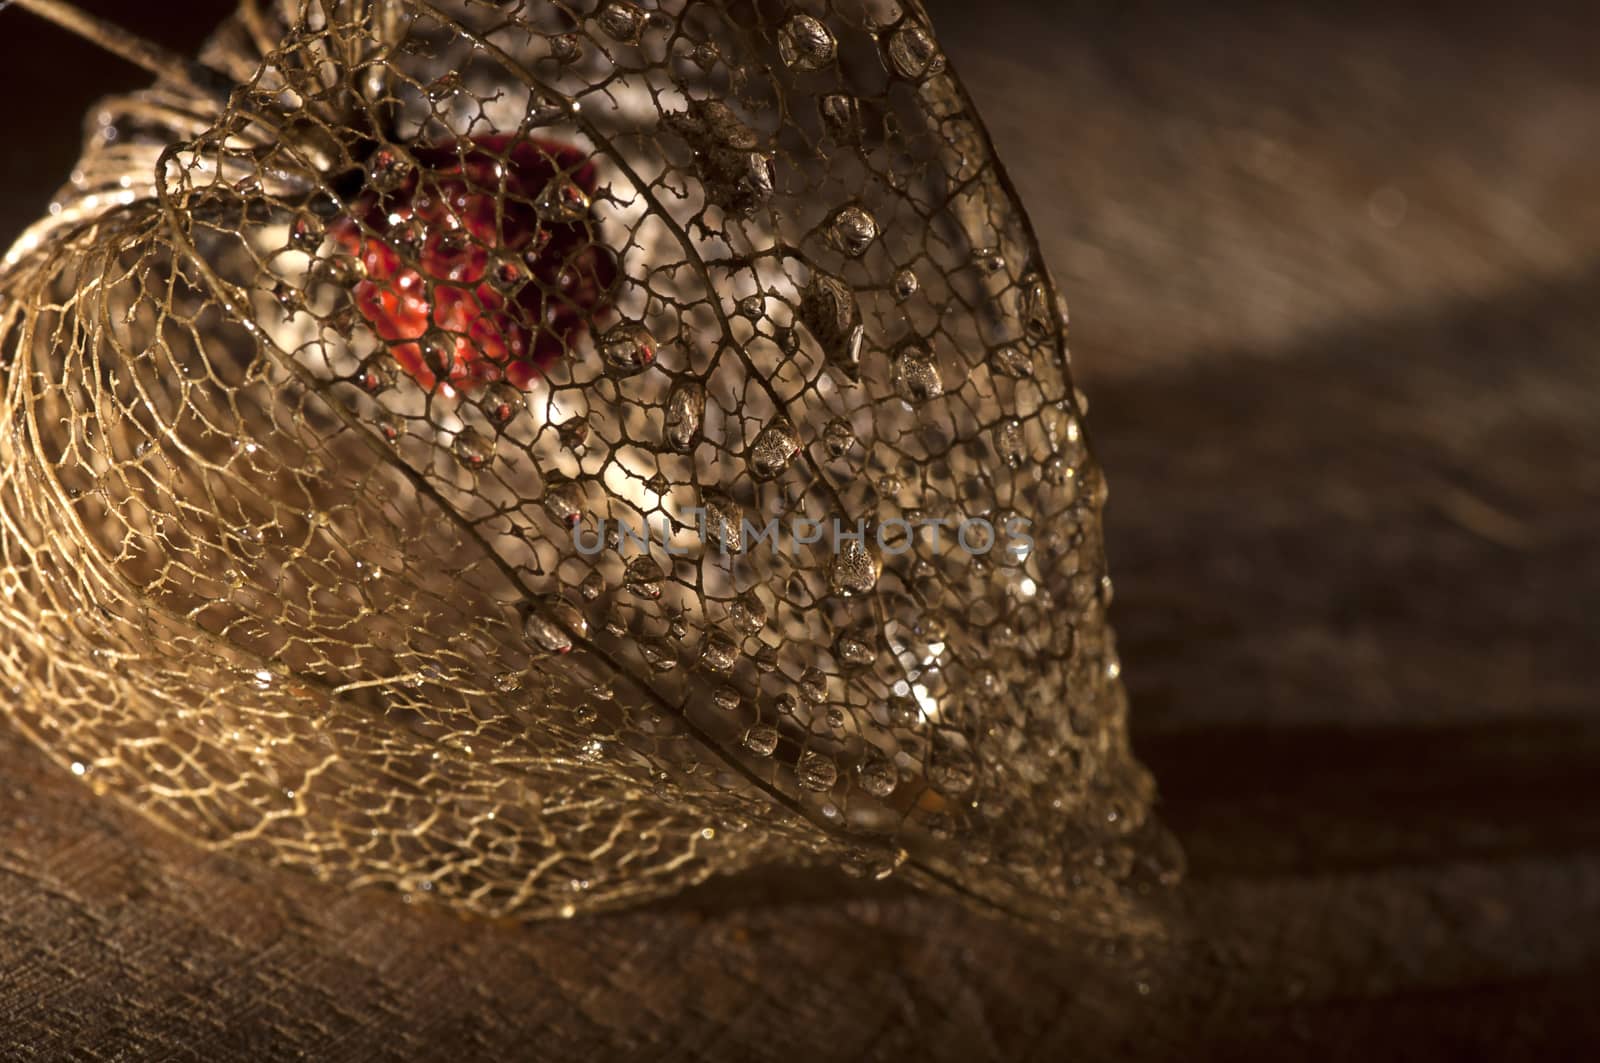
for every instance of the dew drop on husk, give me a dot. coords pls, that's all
(749, 614)
(838, 437)
(805, 43)
(877, 777)
(906, 284)
(472, 449)
(913, 53)
(852, 230)
(627, 349)
(841, 117)
(502, 403)
(773, 450)
(816, 771)
(685, 410)
(643, 578)
(544, 631)
(1012, 361)
(562, 201)
(762, 740)
(916, 374)
(621, 20)
(719, 654)
(853, 570)
(831, 314)
(724, 521)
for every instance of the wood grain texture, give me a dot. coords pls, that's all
(1333, 278)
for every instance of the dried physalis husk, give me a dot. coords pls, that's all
(544, 461)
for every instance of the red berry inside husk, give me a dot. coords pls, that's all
(480, 264)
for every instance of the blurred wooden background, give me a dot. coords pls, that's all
(1333, 282)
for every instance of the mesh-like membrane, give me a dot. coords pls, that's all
(335, 413)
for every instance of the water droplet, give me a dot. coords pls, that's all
(444, 86)
(773, 449)
(877, 777)
(805, 43)
(407, 236)
(391, 426)
(658, 654)
(853, 570)
(562, 201)
(438, 353)
(841, 117)
(472, 449)
(723, 522)
(905, 284)
(748, 613)
(704, 55)
(913, 53)
(566, 47)
(502, 402)
(814, 685)
(989, 260)
(289, 298)
(852, 652)
(762, 739)
(376, 375)
(816, 771)
(726, 698)
(951, 771)
(686, 407)
(916, 374)
(852, 230)
(838, 437)
(388, 170)
(1036, 307)
(541, 628)
(563, 501)
(573, 432)
(1010, 443)
(509, 276)
(1011, 360)
(306, 233)
(643, 577)
(829, 311)
(621, 21)
(904, 711)
(508, 682)
(758, 181)
(544, 109)
(592, 587)
(752, 307)
(1013, 543)
(627, 348)
(719, 653)
(1064, 434)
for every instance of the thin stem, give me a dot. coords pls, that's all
(130, 46)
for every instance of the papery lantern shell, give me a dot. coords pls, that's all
(361, 630)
